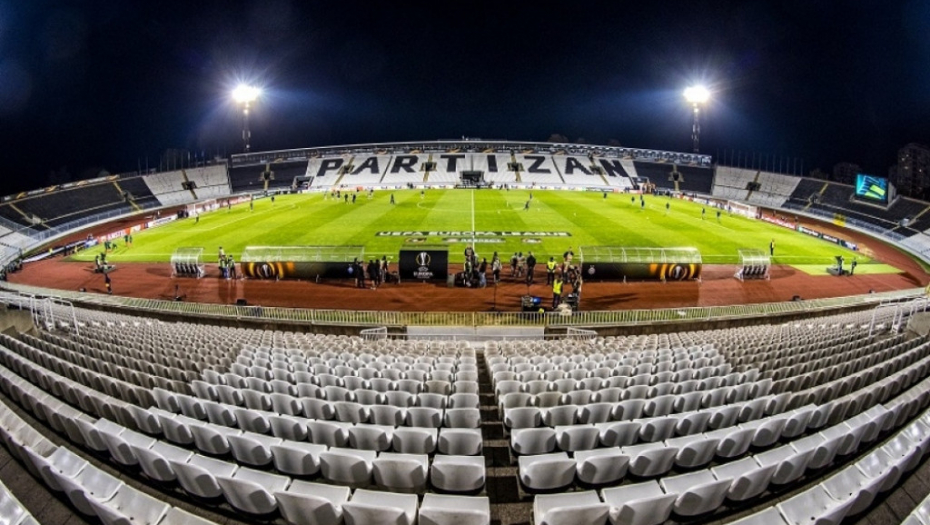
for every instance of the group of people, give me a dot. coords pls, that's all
(227, 264)
(523, 267)
(377, 272)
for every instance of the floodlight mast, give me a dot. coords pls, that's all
(245, 95)
(697, 96)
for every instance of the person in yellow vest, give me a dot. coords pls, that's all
(550, 270)
(556, 292)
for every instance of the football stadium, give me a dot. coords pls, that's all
(327, 330)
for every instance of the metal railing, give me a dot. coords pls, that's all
(515, 319)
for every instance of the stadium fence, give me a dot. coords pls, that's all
(397, 319)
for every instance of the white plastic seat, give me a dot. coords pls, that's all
(852, 483)
(129, 505)
(462, 418)
(619, 433)
(371, 437)
(694, 451)
(252, 491)
(212, 439)
(60, 462)
(572, 438)
(460, 441)
(120, 443)
(698, 492)
(570, 508)
(424, 417)
(749, 479)
(650, 459)
(329, 433)
(522, 417)
(638, 504)
(316, 408)
(347, 465)
(814, 505)
(251, 420)
(198, 475)
(156, 461)
(464, 400)
(90, 483)
(693, 423)
(368, 507)
(734, 441)
(288, 427)
(600, 466)
(387, 415)
(560, 415)
(457, 473)
(415, 440)
(546, 471)
(788, 462)
(880, 465)
(823, 450)
(312, 503)
(401, 471)
(252, 449)
(529, 441)
(658, 429)
(437, 509)
(628, 410)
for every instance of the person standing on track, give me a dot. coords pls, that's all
(107, 282)
(557, 292)
(530, 268)
(550, 271)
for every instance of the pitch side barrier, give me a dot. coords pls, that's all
(300, 262)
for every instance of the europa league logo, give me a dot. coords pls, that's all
(423, 259)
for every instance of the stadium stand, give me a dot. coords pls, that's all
(62, 206)
(442, 162)
(635, 429)
(771, 190)
(495, 167)
(538, 169)
(249, 178)
(209, 181)
(692, 179)
(138, 193)
(168, 188)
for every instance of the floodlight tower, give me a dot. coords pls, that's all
(245, 95)
(697, 96)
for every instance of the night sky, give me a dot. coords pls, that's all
(86, 85)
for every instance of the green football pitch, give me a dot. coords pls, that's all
(551, 223)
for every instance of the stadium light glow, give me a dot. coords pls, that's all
(696, 96)
(245, 95)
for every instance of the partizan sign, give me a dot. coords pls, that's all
(472, 234)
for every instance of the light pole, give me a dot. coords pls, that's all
(697, 96)
(245, 95)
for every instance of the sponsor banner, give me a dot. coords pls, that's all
(297, 270)
(482, 240)
(415, 240)
(778, 221)
(641, 271)
(829, 238)
(424, 265)
(471, 234)
(161, 221)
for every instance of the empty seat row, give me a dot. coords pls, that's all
(847, 492)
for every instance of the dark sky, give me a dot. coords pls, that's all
(87, 84)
